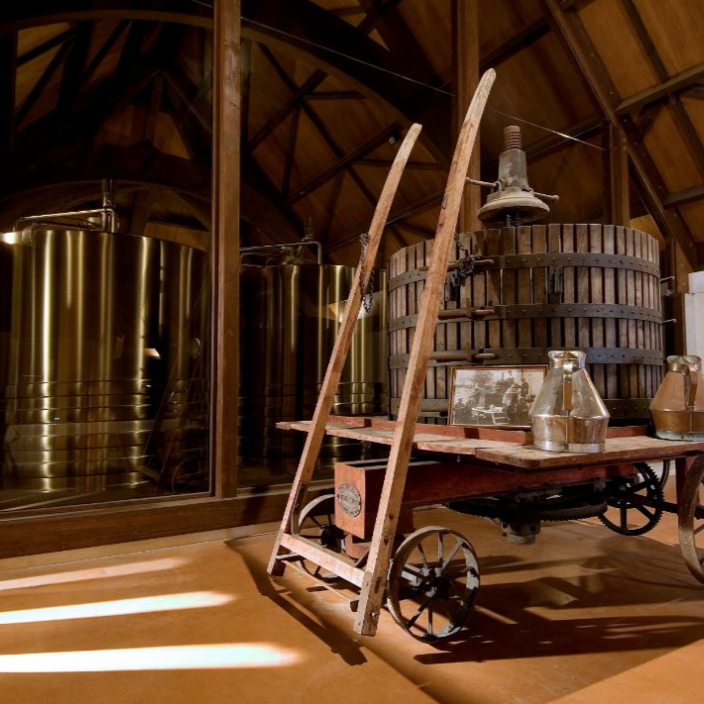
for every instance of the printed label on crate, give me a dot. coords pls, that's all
(349, 499)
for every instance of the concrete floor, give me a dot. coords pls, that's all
(583, 616)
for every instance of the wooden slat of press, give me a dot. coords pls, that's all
(631, 300)
(508, 327)
(392, 316)
(597, 296)
(524, 290)
(480, 295)
(622, 323)
(430, 372)
(640, 324)
(452, 339)
(555, 245)
(610, 323)
(540, 291)
(570, 324)
(440, 373)
(492, 243)
(583, 324)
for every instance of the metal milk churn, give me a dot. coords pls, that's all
(568, 414)
(678, 406)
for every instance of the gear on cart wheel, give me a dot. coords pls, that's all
(625, 514)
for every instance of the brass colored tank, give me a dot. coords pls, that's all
(290, 316)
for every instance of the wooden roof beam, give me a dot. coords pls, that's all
(73, 73)
(680, 82)
(369, 146)
(35, 13)
(684, 197)
(576, 37)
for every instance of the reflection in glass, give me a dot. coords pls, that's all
(105, 316)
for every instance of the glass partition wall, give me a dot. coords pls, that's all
(106, 264)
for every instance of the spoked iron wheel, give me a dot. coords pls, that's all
(433, 581)
(624, 514)
(691, 519)
(316, 523)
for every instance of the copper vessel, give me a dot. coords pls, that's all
(678, 406)
(568, 414)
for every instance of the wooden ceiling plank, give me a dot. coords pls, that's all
(155, 103)
(74, 65)
(695, 92)
(412, 165)
(369, 146)
(332, 205)
(577, 39)
(291, 153)
(311, 83)
(8, 72)
(690, 134)
(523, 39)
(648, 117)
(105, 50)
(142, 205)
(34, 95)
(183, 88)
(397, 35)
(45, 46)
(336, 95)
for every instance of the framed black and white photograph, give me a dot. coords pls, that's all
(494, 396)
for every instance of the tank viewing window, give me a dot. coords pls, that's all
(105, 265)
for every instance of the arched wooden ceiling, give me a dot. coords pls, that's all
(121, 88)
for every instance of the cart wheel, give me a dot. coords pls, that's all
(316, 523)
(433, 580)
(627, 517)
(691, 519)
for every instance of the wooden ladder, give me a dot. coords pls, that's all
(372, 578)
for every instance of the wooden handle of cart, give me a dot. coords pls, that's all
(342, 345)
(395, 479)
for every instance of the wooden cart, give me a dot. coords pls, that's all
(364, 545)
(433, 577)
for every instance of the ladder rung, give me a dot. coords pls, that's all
(322, 556)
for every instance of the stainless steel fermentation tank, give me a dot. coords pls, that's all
(290, 317)
(101, 342)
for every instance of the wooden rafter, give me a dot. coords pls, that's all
(599, 80)
(689, 132)
(336, 95)
(412, 165)
(676, 84)
(346, 160)
(687, 195)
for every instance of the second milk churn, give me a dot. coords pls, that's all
(568, 414)
(678, 406)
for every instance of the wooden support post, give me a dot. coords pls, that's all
(618, 195)
(226, 149)
(323, 408)
(466, 66)
(395, 481)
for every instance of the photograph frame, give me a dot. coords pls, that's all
(498, 413)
